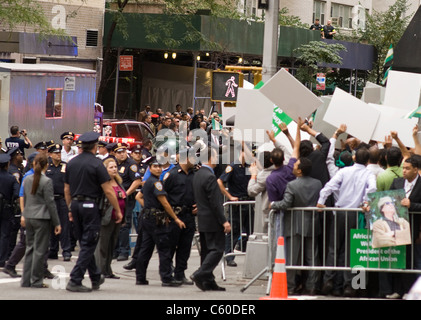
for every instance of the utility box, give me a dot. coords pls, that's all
(46, 100)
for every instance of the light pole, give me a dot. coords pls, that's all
(270, 40)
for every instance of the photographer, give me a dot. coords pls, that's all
(15, 141)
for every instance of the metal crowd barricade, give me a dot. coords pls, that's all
(228, 205)
(324, 247)
(322, 240)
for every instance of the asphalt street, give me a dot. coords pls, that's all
(126, 289)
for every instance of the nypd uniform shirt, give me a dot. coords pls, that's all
(237, 180)
(85, 174)
(57, 175)
(9, 186)
(179, 187)
(151, 190)
(128, 171)
(16, 172)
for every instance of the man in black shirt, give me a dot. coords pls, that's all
(328, 31)
(56, 171)
(15, 141)
(85, 181)
(178, 184)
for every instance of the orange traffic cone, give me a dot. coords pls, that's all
(279, 287)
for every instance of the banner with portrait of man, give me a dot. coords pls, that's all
(389, 220)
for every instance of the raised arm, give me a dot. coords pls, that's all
(405, 152)
(416, 140)
(296, 147)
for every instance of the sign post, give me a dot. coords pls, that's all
(321, 81)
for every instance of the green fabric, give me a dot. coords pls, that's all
(385, 179)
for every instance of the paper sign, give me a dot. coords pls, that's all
(392, 119)
(289, 94)
(360, 118)
(403, 90)
(251, 102)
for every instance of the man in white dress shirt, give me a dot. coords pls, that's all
(353, 184)
(69, 151)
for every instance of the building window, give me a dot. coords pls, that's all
(341, 15)
(319, 11)
(92, 38)
(54, 104)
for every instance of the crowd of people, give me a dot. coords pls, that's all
(169, 200)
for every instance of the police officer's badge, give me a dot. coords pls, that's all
(63, 167)
(166, 176)
(228, 169)
(158, 186)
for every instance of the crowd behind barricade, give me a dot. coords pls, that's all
(98, 190)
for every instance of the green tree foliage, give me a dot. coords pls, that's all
(314, 54)
(285, 19)
(382, 30)
(26, 13)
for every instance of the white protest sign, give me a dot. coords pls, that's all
(360, 118)
(403, 90)
(391, 119)
(289, 94)
(252, 102)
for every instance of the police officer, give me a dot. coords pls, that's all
(178, 183)
(129, 172)
(56, 171)
(85, 180)
(16, 169)
(102, 150)
(157, 214)
(237, 181)
(69, 150)
(9, 192)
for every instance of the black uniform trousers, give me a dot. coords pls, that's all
(211, 252)
(5, 234)
(64, 236)
(182, 242)
(161, 237)
(87, 225)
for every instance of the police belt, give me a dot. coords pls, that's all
(84, 198)
(58, 196)
(181, 209)
(153, 212)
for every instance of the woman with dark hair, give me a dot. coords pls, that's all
(110, 229)
(40, 213)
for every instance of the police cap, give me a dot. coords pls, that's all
(120, 147)
(102, 144)
(55, 148)
(151, 161)
(136, 148)
(4, 158)
(41, 145)
(67, 134)
(111, 146)
(50, 143)
(89, 137)
(14, 151)
(32, 157)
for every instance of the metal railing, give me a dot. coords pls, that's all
(239, 225)
(323, 232)
(324, 239)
